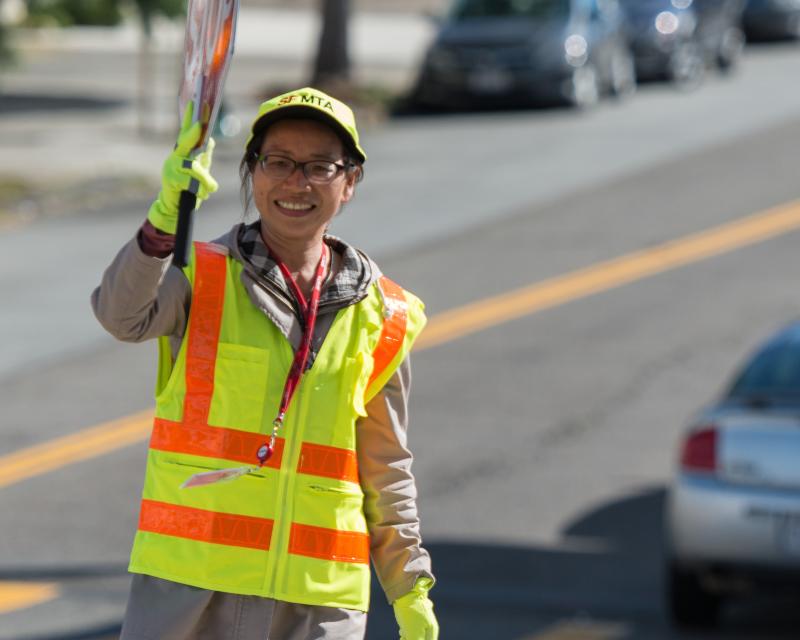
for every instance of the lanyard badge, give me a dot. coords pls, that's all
(309, 309)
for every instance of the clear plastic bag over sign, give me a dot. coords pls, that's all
(208, 49)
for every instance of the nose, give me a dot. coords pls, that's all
(297, 178)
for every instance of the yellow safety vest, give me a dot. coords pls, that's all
(295, 530)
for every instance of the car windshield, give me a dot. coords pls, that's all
(510, 8)
(773, 372)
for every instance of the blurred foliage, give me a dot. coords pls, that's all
(99, 12)
(71, 12)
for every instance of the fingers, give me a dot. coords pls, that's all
(204, 177)
(201, 168)
(182, 167)
(188, 139)
(186, 120)
(200, 172)
(191, 132)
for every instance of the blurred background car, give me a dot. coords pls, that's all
(772, 19)
(522, 52)
(733, 511)
(719, 28)
(676, 40)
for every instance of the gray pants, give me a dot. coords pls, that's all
(163, 610)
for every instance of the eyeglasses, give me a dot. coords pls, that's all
(316, 171)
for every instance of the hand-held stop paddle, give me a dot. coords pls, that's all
(208, 49)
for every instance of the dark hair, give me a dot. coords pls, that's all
(250, 157)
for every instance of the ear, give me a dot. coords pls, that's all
(349, 186)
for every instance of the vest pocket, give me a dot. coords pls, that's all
(193, 468)
(247, 495)
(339, 490)
(240, 381)
(333, 505)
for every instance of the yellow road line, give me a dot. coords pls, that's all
(482, 314)
(61, 452)
(19, 595)
(451, 325)
(581, 631)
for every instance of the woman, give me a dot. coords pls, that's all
(286, 350)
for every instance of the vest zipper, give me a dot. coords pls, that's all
(288, 482)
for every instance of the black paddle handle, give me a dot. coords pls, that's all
(183, 235)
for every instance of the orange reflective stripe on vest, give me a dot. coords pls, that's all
(393, 332)
(253, 533)
(208, 298)
(211, 442)
(205, 526)
(329, 462)
(329, 544)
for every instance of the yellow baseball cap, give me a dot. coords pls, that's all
(314, 104)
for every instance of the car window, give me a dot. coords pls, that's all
(510, 8)
(774, 371)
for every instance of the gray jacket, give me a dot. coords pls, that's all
(143, 297)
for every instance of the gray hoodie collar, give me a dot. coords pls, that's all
(349, 284)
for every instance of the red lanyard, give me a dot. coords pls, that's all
(309, 309)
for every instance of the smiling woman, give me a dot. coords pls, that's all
(285, 350)
(299, 205)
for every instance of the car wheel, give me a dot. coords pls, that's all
(583, 90)
(687, 66)
(690, 603)
(730, 49)
(623, 74)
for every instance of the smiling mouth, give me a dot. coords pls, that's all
(299, 207)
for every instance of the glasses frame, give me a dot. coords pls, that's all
(261, 157)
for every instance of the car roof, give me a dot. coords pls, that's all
(790, 334)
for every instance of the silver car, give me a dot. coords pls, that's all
(733, 511)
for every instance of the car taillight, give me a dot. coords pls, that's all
(700, 450)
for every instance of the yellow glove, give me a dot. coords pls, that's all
(414, 613)
(178, 173)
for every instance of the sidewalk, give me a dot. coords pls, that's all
(68, 111)
(275, 36)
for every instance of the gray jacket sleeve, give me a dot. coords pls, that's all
(384, 463)
(142, 297)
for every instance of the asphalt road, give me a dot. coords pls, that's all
(544, 444)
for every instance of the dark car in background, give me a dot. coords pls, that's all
(733, 508)
(772, 19)
(522, 52)
(677, 40)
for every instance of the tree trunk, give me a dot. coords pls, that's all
(332, 63)
(4, 46)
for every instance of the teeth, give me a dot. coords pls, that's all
(295, 206)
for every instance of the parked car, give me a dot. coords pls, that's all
(521, 52)
(719, 28)
(676, 40)
(772, 19)
(733, 508)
